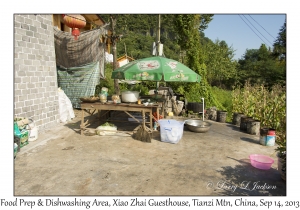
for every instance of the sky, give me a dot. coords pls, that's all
(245, 31)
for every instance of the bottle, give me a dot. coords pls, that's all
(103, 97)
(155, 126)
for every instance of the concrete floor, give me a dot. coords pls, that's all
(63, 162)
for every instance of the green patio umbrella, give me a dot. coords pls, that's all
(156, 69)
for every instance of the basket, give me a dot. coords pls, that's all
(89, 99)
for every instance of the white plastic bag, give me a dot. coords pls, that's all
(65, 107)
(70, 108)
(33, 134)
(32, 130)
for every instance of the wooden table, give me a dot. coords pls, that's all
(91, 109)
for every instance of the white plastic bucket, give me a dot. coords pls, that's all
(171, 131)
(33, 134)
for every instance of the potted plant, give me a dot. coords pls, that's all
(281, 155)
(236, 120)
(221, 116)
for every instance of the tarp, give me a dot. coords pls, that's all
(78, 82)
(80, 63)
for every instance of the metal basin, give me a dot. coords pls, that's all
(198, 126)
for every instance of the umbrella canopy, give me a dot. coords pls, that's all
(156, 69)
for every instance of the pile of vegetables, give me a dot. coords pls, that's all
(108, 124)
(106, 128)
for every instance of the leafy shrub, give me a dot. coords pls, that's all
(267, 106)
(225, 99)
(143, 89)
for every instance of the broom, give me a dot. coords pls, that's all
(143, 132)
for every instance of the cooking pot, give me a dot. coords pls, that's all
(130, 96)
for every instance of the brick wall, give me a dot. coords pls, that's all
(35, 77)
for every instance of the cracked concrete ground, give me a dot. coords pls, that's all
(63, 162)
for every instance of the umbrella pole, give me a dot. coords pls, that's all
(202, 109)
(157, 86)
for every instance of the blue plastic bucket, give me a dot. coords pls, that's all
(171, 131)
(270, 140)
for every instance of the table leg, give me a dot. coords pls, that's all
(82, 121)
(151, 125)
(163, 110)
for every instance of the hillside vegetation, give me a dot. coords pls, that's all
(183, 39)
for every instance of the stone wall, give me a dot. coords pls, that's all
(35, 77)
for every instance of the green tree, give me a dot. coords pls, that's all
(263, 65)
(221, 68)
(204, 21)
(259, 66)
(187, 27)
(140, 31)
(279, 46)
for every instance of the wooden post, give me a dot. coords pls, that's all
(114, 49)
(157, 44)
(158, 34)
